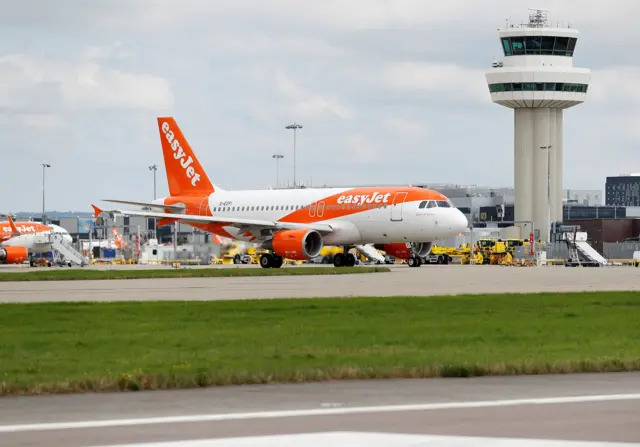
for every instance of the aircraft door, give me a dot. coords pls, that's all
(320, 210)
(204, 207)
(312, 210)
(396, 206)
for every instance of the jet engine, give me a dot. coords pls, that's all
(13, 255)
(422, 249)
(299, 245)
(402, 250)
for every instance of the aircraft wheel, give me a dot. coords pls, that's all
(413, 261)
(276, 262)
(266, 261)
(339, 260)
(351, 260)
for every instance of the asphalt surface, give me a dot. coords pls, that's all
(402, 280)
(596, 407)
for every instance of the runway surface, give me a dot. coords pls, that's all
(402, 280)
(588, 407)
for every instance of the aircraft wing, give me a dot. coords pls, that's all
(176, 208)
(227, 221)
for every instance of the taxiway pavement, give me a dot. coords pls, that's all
(594, 407)
(402, 280)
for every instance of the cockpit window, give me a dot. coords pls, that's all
(431, 204)
(443, 204)
(423, 204)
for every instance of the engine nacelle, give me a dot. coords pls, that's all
(402, 250)
(13, 255)
(398, 250)
(299, 245)
(422, 249)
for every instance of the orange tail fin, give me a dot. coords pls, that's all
(14, 230)
(185, 174)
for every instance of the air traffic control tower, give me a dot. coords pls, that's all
(537, 79)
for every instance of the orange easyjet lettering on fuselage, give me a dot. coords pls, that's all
(376, 197)
(24, 228)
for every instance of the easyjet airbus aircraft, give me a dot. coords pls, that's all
(19, 241)
(296, 223)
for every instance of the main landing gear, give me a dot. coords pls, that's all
(269, 260)
(342, 260)
(414, 261)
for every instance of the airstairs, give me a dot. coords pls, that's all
(66, 251)
(580, 252)
(370, 252)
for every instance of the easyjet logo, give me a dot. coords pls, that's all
(178, 154)
(376, 197)
(22, 229)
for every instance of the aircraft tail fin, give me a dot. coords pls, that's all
(185, 174)
(14, 229)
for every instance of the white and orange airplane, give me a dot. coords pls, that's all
(296, 223)
(19, 241)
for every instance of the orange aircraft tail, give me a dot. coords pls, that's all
(185, 174)
(14, 229)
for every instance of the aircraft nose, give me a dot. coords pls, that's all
(67, 238)
(460, 221)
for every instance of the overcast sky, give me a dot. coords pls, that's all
(388, 91)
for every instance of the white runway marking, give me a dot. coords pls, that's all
(348, 439)
(310, 412)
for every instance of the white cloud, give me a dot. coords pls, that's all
(454, 80)
(30, 83)
(398, 85)
(406, 127)
(308, 104)
(616, 85)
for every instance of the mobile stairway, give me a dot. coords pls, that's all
(370, 252)
(65, 253)
(581, 254)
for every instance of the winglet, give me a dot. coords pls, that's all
(14, 230)
(96, 211)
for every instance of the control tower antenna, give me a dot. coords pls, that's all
(537, 79)
(538, 18)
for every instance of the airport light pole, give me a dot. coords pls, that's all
(277, 158)
(295, 127)
(548, 149)
(44, 166)
(154, 168)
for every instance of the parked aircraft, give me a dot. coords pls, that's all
(20, 240)
(296, 223)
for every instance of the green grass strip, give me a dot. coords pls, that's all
(214, 272)
(76, 347)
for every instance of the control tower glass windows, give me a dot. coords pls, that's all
(560, 48)
(506, 46)
(538, 45)
(547, 45)
(517, 46)
(538, 86)
(533, 44)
